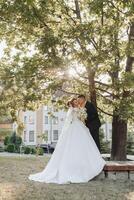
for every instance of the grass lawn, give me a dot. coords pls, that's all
(14, 184)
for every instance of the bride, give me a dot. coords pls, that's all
(76, 158)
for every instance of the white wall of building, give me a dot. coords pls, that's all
(52, 126)
(29, 133)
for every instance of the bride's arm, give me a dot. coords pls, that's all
(69, 115)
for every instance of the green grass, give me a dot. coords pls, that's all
(14, 184)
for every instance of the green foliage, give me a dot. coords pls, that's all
(1, 149)
(11, 148)
(12, 138)
(130, 143)
(39, 151)
(105, 145)
(27, 150)
(94, 38)
(6, 140)
(33, 151)
(57, 34)
(15, 140)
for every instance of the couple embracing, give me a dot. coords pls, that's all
(76, 157)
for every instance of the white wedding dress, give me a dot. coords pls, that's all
(76, 158)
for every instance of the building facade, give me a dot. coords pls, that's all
(107, 130)
(44, 126)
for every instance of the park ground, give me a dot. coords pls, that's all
(14, 184)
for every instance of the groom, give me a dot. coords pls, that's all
(92, 121)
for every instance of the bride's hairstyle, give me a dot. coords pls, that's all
(71, 102)
(82, 96)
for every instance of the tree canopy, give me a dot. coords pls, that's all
(48, 39)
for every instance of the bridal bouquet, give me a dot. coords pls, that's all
(82, 114)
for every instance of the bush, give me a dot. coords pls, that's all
(13, 139)
(130, 143)
(17, 148)
(6, 140)
(27, 150)
(105, 147)
(33, 151)
(39, 151)
(5, 148)
(1, 149)
(11, 148)
(18, 140)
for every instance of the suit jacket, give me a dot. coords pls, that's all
(92, 121)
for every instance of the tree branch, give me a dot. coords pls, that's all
(67, 92)
(80, 75)
(81, 82)
(104, 112)
(77, 8)
(105, 97)
(104, 84)
(112, 4)
(103, 90)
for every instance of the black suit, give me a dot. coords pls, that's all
(93, 122)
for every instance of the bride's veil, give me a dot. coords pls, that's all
(68, 120)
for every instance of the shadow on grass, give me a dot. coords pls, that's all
(15, 185)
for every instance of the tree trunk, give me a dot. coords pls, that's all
(119, 138)
(77, 9)
(119, 126)
(92, 89)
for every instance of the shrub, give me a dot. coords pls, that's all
(11, 148)
(5, 148)
(40, 151)
(6, 140)
(130, 143)
(21, 149)
(18, 140)
(33, 151)
(27, 150)
(105, 147)
(1, 149)
(13, 139)
(17, 148)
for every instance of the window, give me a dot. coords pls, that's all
(31, 119)
(55, 120)
(55, 134)
(46, 119)
(31, 136)
(25, 136)
(25, 119)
